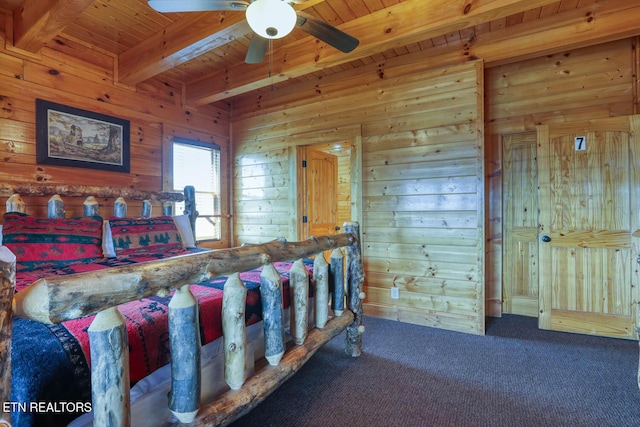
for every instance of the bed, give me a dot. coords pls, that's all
(155, 331)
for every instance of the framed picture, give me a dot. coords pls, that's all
(68, 136)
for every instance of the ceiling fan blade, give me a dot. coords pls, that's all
(326, 32)
(166, 6)
(257, 50)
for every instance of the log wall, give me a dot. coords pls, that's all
(153, 110)
(417, 139)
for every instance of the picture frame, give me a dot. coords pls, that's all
(69, 136)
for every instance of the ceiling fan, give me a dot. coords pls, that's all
(269, 19)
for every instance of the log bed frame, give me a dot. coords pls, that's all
(61, 298)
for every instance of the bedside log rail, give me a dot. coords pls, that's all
(61, 298)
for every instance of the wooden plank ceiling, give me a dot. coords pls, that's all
(204, 52)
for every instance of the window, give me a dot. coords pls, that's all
(198, 164)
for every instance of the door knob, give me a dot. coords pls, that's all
(546, 239)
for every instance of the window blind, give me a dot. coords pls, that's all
(199, 165)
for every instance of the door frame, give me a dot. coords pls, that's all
(349, 133)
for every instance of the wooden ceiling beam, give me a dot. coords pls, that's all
(180, 42)
(36, 22)
(404, 23)
(571, 29)
(593, 24)
(183, 41)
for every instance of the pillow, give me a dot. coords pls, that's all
(49, 242)
(184, 227)
(107, 241)
(132, 236)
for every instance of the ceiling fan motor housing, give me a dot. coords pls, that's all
(271, 19)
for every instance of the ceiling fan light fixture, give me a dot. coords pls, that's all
(271, 19)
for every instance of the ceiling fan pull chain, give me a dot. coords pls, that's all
(271, 62)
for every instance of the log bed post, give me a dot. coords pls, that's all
(234, 302)
(7, 288)
(15, 204)
(184, 340)
(299, 285)
(91, 206)
(147, 209)
(272, 314)
(120, 208)
(190, 206)
(355, 281)
(55, 207)
(167, 208)
(337, 281)
(110, 394)
(321, 277)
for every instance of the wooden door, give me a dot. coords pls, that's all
(588, 180)
(321, 193)
(520, 226)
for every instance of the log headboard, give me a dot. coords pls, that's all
(90, 205)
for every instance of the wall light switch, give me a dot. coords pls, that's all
(395, 293)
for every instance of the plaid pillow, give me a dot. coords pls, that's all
(142, 236)
(48, 242)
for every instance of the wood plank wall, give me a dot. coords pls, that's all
(597, 81)
(264, 179)
(153, 110)
(588, 83)
(422, 184)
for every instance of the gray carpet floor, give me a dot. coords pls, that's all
(516, 375)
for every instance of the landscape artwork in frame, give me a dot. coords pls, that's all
(68, 136)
